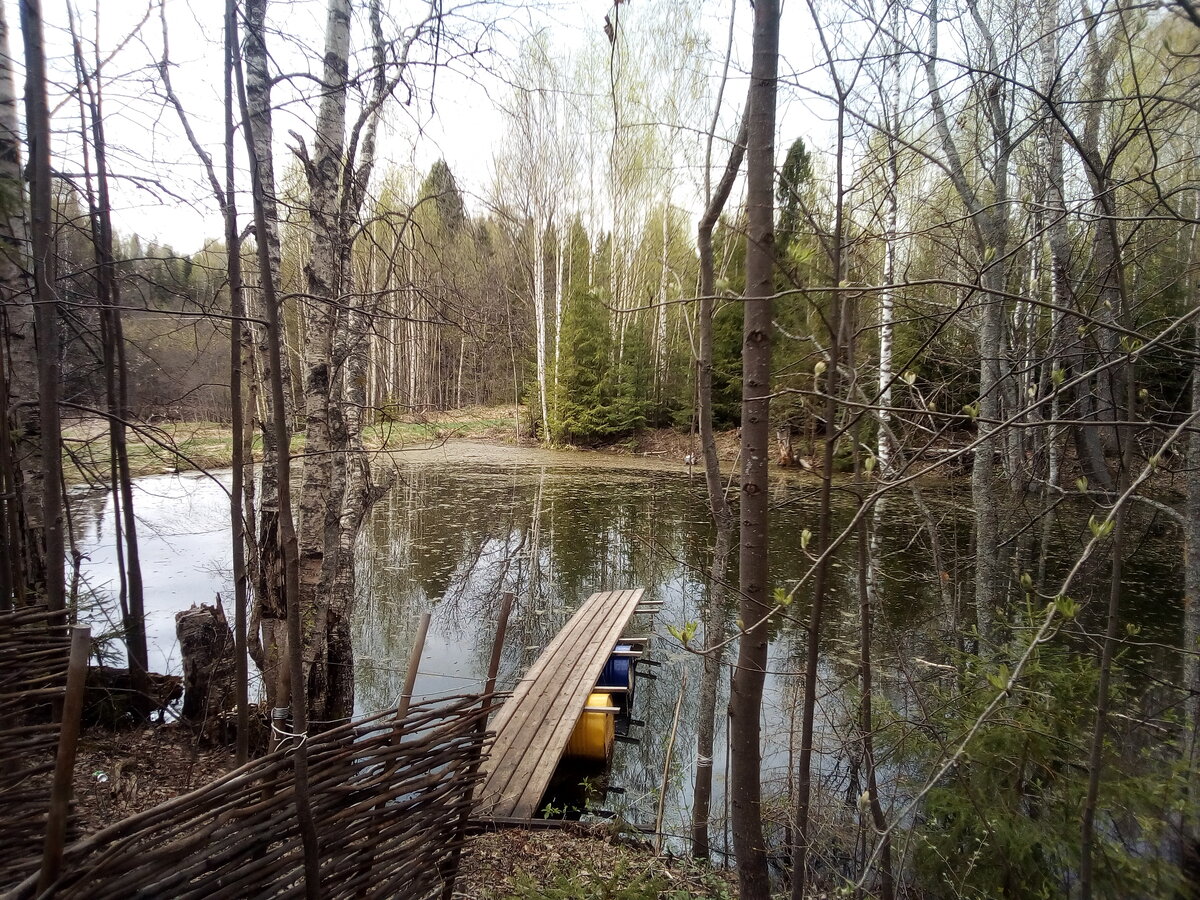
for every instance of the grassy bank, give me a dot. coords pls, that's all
(182, 446)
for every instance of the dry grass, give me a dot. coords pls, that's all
(153, 449)
(579, 862)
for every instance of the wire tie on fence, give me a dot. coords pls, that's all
(285, 737)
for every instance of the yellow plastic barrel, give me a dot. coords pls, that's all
(594, 733)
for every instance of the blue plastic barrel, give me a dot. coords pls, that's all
(618, 669)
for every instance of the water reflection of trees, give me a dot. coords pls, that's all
(452, 539)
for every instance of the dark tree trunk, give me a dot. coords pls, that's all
(21, 441)
(37, 125)
(116, 372)
(286, 526)
(237, 311)
(745, 700)
(714, 611)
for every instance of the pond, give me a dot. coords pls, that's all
(466, 522)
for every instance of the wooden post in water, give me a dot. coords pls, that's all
(410, 676)
(666, 775)
(450, 872)
(64, 764)
(498, 643)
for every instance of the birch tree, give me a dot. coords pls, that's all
(528, 175)
(23, 476)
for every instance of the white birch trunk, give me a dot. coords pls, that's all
(318, 514)
(539, 314)
(891, 239)
(660, 323)
(561, 252)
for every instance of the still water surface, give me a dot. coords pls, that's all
(467, 522)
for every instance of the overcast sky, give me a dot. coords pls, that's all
(162, 194)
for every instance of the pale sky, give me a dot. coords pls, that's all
(169, 200)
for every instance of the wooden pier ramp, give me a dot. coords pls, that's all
(534, 725)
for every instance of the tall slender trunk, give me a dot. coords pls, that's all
(45, 293)
(990, 221)
(1191, 590)
(883, 449)
(24, 477)
(559, 288)
(745, 701)
(318, 510)
(270, 608)
(116, 386)
(660, 318)
(838, 338)
(289, 549)
(1107, 654)
(539, 315)
(868, 601)
(237, 312)
(715, 608)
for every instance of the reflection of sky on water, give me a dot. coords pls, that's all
(183, 538)
(454, 534)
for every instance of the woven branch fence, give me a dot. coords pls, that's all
(34, 650)
(391, 801)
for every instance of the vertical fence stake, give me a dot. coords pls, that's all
(410, 678)
(414, 663)
(64, 764)
(450, 871)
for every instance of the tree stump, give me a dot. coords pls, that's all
(209, 673)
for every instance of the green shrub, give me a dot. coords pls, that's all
(1005, 820)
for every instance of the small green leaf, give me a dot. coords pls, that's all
(972, 410)
(999, 679)
(1081, 484)
(1058, 376)
(819, 368)
(869, 463)
(909, 377)
(1027, 581)
(805, 537)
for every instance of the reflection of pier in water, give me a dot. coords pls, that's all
(534, 725)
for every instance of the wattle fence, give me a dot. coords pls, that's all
(34, 650)
(390, 797)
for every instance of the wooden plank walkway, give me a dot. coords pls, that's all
(534, 725)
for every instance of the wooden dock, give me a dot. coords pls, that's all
(534, 725)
